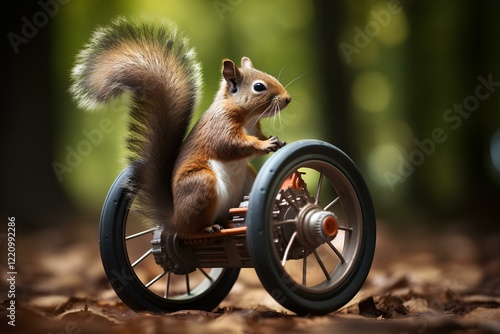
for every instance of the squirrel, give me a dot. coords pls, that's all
(185, 184)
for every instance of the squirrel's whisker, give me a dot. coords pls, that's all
(297, 78)
(281, 71)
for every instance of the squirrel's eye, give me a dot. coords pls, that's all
(259, 87)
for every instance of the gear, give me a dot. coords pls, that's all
(165, 247)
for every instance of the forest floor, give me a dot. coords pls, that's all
(420, 282)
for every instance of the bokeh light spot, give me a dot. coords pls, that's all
(371, 91)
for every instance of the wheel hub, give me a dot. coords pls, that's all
(315, 226)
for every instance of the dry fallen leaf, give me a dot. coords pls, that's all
(414, 286)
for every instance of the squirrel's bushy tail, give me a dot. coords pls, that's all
(155, 64)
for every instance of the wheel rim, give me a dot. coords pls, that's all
(166, 286)
(327, 266)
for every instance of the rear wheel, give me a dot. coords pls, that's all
(129, 262)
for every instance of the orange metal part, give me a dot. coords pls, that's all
(238, 211)
(329, 226)
(294, 181)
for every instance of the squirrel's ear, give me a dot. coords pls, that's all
(231, 74)
(246, 63)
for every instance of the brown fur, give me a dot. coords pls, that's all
(220, 135)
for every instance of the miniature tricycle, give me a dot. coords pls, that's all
(307, 227)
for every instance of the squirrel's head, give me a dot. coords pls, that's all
(253, 90)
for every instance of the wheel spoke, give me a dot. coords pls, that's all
(167, 285)
(151, 230)
(154, 280)
(187, 285)
(292, 238)
(145, 255)
(283, 222)
(332, 203)
(345, 228)
(206, 275)
(318, 191)
(336, 251)
(322, 265)
(304, 269)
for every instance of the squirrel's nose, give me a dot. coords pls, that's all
(288, 99)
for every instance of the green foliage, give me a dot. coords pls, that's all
(374, 77)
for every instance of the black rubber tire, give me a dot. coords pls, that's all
(259, 236)
(121, 275)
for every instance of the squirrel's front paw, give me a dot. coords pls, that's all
(273, 144)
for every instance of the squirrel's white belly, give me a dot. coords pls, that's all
(231, 178)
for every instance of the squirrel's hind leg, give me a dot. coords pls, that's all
(194, 204)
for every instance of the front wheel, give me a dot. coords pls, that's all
(311, 227)
(129, 263)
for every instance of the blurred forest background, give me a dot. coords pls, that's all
(409, 89)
